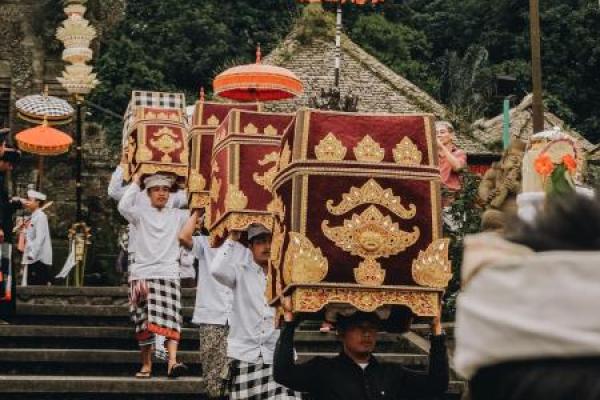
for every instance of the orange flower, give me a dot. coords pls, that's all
(544, 165)
(570, 163)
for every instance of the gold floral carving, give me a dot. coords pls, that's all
(235, 199)
(148, 169)
(312, 299)
(266, 180)
(277, 245)
(251, 129)
(370, 235)
(276, 207)
(200, 200)
(213, 121)
(369, 273)
(303, 262)
(196, 182)
(431, 267)
(215, 188)
(372, 193)
(285, 157)
(330, 149)
(270, 130)
(407, 153)
(369, 150)
(143, 154)
(165, 141)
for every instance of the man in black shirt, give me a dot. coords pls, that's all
(355, 374)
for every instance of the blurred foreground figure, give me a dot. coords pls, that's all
(527, 324)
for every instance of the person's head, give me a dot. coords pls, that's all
(445, 132)
(358, 333)
(259, 243)
(159, 189)
(34, 200)
(9, 159)
(566, 222)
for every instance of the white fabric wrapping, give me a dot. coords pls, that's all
(517, 304)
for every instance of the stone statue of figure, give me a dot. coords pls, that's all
(500, 185)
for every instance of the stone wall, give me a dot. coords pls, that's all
(27, 64)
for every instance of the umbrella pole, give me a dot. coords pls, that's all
(40, 173)
(338, 39)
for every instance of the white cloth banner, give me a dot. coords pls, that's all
(69, 264)
(518, 305)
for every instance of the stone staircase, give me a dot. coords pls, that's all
(77, 343)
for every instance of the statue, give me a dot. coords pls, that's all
(500, 186)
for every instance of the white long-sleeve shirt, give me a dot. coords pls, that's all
(38, 246)
(116, 190)
(156, 245)
(213, 299)
(252, 333)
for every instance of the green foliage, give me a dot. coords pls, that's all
(314, 24)
(467, 216)
(174, 45)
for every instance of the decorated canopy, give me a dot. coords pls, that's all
(44, 141)
(257, 82)
(39, 107)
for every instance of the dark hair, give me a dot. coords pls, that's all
(344, 323)
(567, 222)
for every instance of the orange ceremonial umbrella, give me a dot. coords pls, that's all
(338, 28)
(257, 82)
(43, 141)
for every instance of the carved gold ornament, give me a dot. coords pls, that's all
(213, 121)
(270, 130)
(251, 129)
(276, 207)
(303, 262)
(277, 245)
(312, 299)
(330, 149)
(196, 182)
(215, 189)
(165, 141)
(266, 180)
(369, 150)
(371, 192)
(407, 153)
(370, 235)
(431, 267)
(285, 157)
(143, 154)
(235, 199)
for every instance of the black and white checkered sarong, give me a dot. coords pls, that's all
(251, 381)
(155, 306)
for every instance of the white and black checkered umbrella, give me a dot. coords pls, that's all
(36, 108)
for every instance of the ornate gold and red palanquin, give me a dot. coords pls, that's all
(244, 163)
(361, 222)
(157, 142)
(206, 118)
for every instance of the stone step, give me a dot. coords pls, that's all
(126, 362)
(110, 337)
(42, 387)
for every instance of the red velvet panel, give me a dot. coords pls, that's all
(221, 159)
(350, 129)
(262, 120)
(341, 263)
(179, 136)
(250, 155)
(205, 110)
